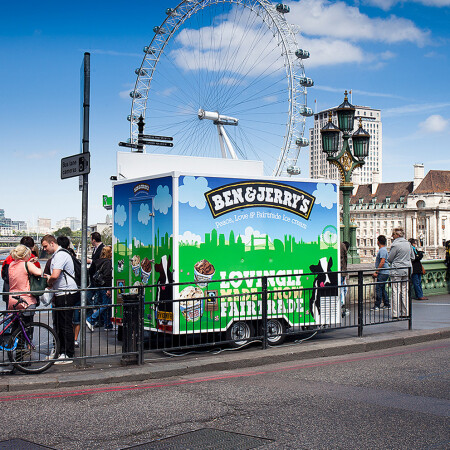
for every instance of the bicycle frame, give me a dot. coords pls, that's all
(14, 316)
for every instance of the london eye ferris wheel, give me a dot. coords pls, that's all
(226, 78)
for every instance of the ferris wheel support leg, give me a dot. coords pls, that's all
(222, 144)
(228, 143)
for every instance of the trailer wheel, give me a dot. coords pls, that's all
(240, 333)
(275, 331)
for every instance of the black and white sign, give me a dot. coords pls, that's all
(259, 193)
(161, 144)
(157, 138)
(75, 165)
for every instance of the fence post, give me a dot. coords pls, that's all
(130, 326)
(360, 302)
(410, 299)
(140, 330)
(264, 311)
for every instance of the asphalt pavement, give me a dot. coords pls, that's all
(431, 321)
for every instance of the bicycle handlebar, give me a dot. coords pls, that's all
(19, 300)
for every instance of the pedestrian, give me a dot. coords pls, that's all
(18, 271)
(399, 257)
(417, 270)
(447, 263)
(381, 274)
(62, 279)
(91, 296)
(344, 288)
(28, 241)
(64, 242)
(102, 278)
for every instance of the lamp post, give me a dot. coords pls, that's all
(345, 160)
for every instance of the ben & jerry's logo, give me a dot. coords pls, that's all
(259, 193)
(141, 187)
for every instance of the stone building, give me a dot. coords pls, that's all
(421, 207)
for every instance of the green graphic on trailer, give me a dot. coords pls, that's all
(233, 229)
(143, 227)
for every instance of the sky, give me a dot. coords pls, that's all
(393, 55)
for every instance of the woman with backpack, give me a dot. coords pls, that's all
(102, 278)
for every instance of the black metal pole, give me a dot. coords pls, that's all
(360, 302)
(264, 311)
(140, 331)
(84, 202)
(410, 299)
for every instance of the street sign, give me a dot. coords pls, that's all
(107, 202)
(158, 138)
(75, 165)
(161, 144)
(127, 144)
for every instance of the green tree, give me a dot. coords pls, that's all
(107, 236)
(64, 231)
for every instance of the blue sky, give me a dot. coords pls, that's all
(393, 55)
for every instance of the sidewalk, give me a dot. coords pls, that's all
(431, 321)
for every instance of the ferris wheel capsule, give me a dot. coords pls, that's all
(132, 117)
(302, 54)
(293, 170)
(135, 94)
(170, 11)
(306, 112)
(305, 81)
(141, 72)
(158, 30)
(302, 142)
(148, 49)
(284, 9)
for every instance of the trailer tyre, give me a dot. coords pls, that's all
(240, 333)
(276, 331)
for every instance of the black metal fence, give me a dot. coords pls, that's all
(182, 316)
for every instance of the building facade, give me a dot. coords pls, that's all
(371, 122)
(421, 207)
(71, 222)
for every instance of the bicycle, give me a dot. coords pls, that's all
(31, 348)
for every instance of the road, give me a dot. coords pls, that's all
(395, 398)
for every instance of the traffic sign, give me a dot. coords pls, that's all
(161, 144)
(75, 165)
(158, 138)
(128, 144)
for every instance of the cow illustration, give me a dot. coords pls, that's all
(325, 284)
(164, 292)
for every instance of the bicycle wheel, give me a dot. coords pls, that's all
(40, 355)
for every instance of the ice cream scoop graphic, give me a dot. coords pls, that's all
(191, 304)
(203, 272)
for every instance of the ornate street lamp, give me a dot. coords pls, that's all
(345, 160)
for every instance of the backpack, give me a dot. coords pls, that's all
(76, 267)
(100, 277)
(5, 277)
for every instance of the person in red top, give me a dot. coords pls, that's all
(28, 241)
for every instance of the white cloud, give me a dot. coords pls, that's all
(163, 199)
(434, 124)
(341, 21)
(193, 190)
(325, 195)
(414, 108)
(388, 4)
(144, 214)
(249, 232)
(190, 238)
(120, 216)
